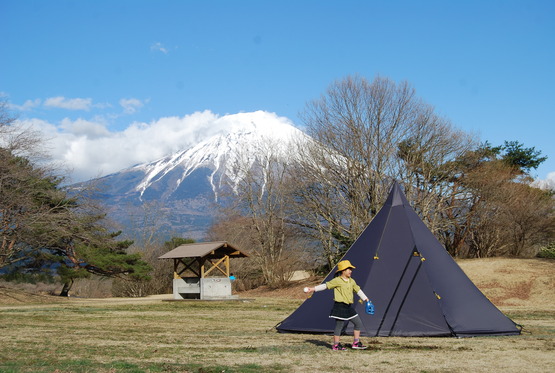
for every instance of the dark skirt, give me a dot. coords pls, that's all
(342, 311)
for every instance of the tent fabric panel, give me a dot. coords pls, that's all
(420, 312)
(412, 309)
(377, 264)
(465, 307)
(398, 298)
(388, 270)
(364, 249)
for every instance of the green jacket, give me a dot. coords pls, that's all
(343, 290)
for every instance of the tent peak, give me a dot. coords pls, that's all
(396, 196)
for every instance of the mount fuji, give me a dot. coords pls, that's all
(178, 193)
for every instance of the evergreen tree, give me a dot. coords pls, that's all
(43, 228)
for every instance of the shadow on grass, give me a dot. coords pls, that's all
(319, 343)
(372, 345)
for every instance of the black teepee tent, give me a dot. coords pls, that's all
(415, 285)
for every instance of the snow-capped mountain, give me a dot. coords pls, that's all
(181, 188)
(217, 153)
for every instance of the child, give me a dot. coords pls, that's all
(343, 286)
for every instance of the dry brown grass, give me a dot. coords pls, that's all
(514, 282)
(506, 282)
(148, 334)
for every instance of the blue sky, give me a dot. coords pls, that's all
(88, 70)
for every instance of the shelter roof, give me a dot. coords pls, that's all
(216, 249)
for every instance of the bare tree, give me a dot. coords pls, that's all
(147, 220)
(260, 200)
(367, 134)
(427, 167)
(18, 139)
(531, 213)
(239, 231)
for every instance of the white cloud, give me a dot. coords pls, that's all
(158, 47)
(91, 150)
(130, 105)
(27, 105)
(548, 183)
(69, 103)
(84, 128)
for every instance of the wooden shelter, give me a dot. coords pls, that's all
(209, 264)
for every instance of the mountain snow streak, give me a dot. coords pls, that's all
(252, 131)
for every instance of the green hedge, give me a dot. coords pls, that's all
(547, 252)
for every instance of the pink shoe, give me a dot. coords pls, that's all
(338, 347)
(359, 346)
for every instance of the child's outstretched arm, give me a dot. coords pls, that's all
(315, 288)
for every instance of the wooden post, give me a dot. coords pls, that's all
(175, 264)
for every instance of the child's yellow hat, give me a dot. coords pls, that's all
(343, 265)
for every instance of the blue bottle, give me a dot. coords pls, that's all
(369, 308)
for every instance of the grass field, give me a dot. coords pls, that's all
(49, 334)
